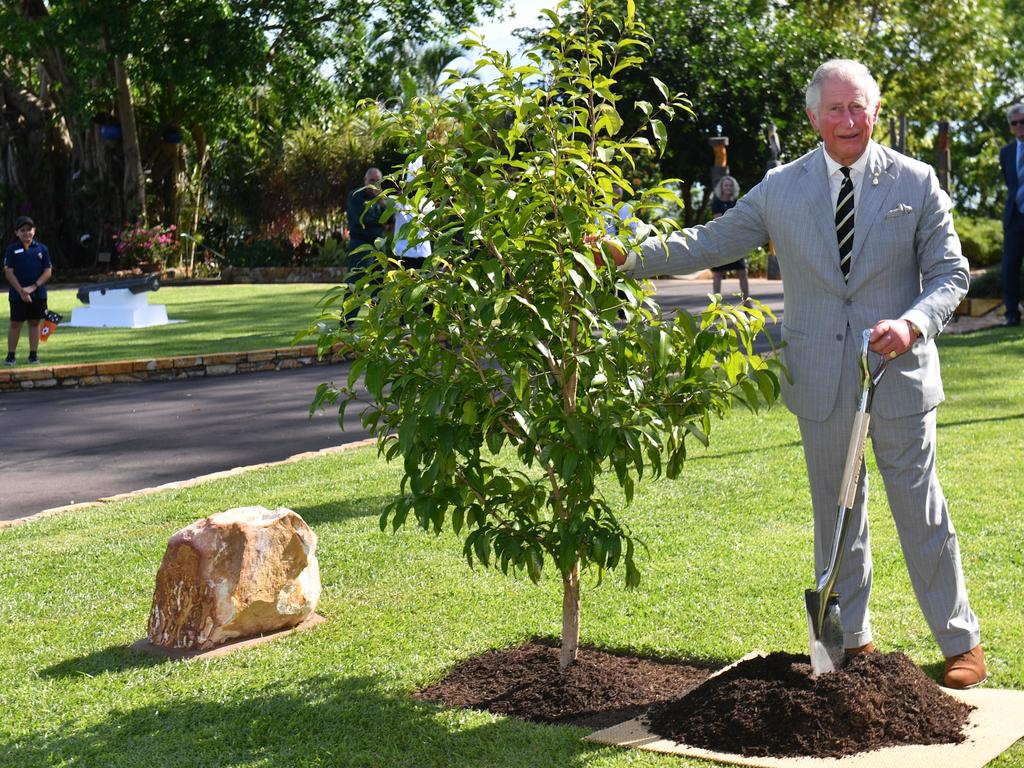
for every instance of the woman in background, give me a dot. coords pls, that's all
(724, 197)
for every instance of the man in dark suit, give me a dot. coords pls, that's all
(1011, 160)
(364, 208)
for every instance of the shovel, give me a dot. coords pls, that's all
(823, 628)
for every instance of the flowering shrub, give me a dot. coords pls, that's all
(137, 244)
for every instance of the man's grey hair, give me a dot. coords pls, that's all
(1016, 109)
(374, 170)
(847, 70)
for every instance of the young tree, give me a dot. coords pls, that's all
(510, 337)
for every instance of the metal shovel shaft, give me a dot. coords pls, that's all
(824, 628)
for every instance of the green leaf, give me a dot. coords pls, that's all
(407, 432)
(660, 136)
(534, 563)
(768, 383)
(482, 549)
(696, 431)
(609, 119)
(569, 464)
(356, 370)
(375, 378)
(662, 88)
(521, 380)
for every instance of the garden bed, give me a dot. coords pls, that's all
(599, 690)
(766, 705)
(770, 705)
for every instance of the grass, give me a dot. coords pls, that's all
(218, 318)
(729, 557)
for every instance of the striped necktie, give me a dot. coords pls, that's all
(1020, 177)
(844, 222)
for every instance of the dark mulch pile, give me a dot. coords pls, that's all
(599, 690)
(772, 706)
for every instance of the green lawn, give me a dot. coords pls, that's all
(729, 557)
(218, 318)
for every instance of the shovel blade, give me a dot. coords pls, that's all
(824, 632)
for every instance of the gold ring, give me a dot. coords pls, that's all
(893, 355)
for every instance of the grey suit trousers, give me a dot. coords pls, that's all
(904, 449)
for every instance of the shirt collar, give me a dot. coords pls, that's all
(858, 168)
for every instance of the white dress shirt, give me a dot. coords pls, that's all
(835, 178)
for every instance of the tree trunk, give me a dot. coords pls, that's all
(570, 618)
(52, 164)
(686, 193)
(195, 189)
(134, 180)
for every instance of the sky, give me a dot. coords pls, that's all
(522, 13)
(497, 33)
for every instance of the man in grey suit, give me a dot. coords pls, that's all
(865, 239)
(1011, 161)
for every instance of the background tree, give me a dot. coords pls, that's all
(508, 340)
(746, 62)
(198, 76)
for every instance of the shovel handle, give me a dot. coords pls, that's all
(854, 459)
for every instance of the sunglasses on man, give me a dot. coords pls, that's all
(1017, 122)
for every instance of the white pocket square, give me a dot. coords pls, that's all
(901, 210)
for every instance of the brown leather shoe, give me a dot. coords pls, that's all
(966, 670)
(849, 653)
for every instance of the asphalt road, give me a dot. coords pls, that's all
(76, 445)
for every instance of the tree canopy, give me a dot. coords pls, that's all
(746, 63)
(217, 72)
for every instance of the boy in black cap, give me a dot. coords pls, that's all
(27, 268)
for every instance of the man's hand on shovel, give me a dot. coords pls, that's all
(891, 338)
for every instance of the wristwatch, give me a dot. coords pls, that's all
(914, 329)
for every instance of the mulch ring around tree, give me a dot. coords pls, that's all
(601, 689)
(763, 706)
(770, 706)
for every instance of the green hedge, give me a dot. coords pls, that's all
(989, 284)
(261, 253)
(982, 240)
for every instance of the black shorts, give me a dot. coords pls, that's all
(20, 311)
(736, 266)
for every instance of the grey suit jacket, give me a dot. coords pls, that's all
(906, 262)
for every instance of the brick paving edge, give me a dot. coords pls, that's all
(179, 484)
(162, 368)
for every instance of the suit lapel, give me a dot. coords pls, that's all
(818, 198)
(869, 206)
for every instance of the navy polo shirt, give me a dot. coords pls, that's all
(28, 265)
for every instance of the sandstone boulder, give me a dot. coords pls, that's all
(240, 573)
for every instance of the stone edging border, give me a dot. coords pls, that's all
(186, 483)
(160, 368)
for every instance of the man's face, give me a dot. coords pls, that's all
(372, 180)
(845, 119)
(1017, 125)
(25, 233)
